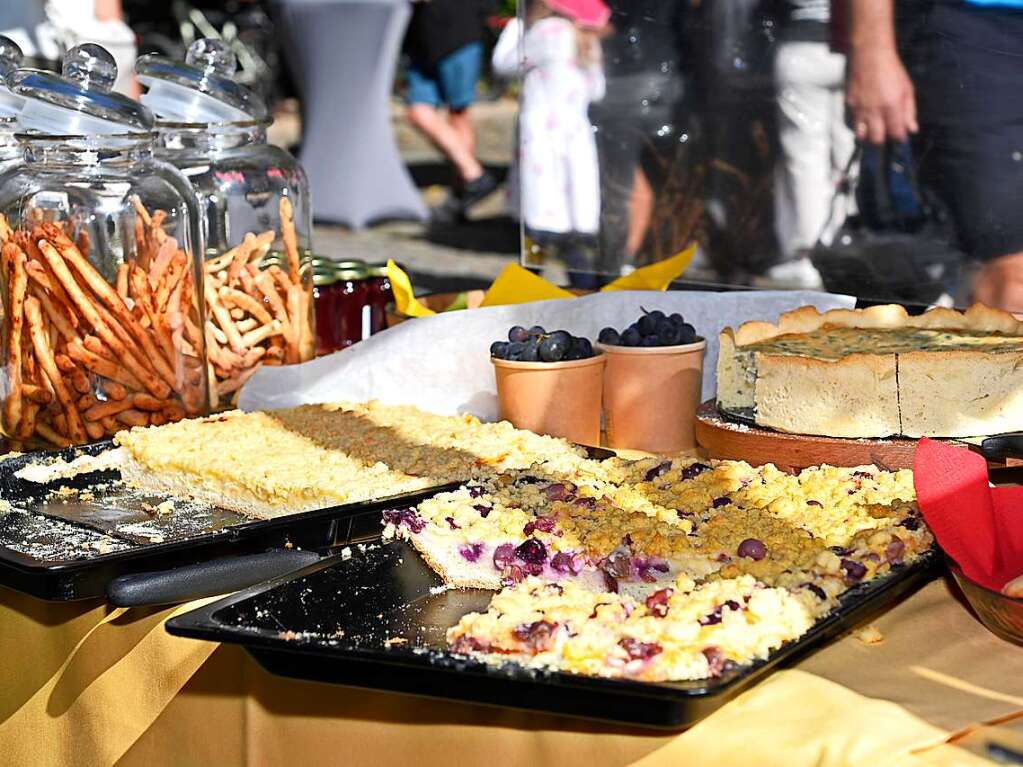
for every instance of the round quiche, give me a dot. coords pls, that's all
(877, 372)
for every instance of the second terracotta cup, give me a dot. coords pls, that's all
(651, 394)
(561, 399)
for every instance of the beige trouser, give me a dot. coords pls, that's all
(816, 144)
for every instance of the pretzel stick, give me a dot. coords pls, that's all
(265, 284)
(33, 316)
(110, 425)
(293, 352)
(38, 394)
(19, 283)
(262, 333)
(102, 366)
(148, 402)
(51, 436)
(110, 407)
(92, 316)
(241, 257)
(133, 418)
(235, 382)
(115, 390)
(27, 425)
(96, 346)
(94, 430)
(141, 210)
(168, 249)
(141, 246)
(86, 401)
(80, 382)
(245, 302)
(173, 277)
(289, 236)
(122, 280)
(58, 317)
(5, 228)
(108, 295)
(223, 318)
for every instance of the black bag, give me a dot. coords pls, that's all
(899, 246)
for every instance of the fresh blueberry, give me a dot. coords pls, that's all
(531, 351)
(609, 336)
(752, 548)
(515, 351)
(518, 334)
(650, 341)
(536, 331)
(647, 325)
(553, 349)
(631, 337)
(499, 349)
(667, 334)
(676, 319)
(656, 315)
(581, 347)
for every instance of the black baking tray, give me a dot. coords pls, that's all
(87, 576)
(376, 618)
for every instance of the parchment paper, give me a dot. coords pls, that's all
(442, 363)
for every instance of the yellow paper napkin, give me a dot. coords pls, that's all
(405, 301)
(515, 285)
(655, 276)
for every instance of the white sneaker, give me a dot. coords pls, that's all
(798, 274)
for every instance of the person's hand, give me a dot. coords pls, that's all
(880, 96)
(999, 283)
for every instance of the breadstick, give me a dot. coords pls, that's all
(241, 257)
(141, 247)
(96, 346)
(33, 315)
(110, 407)
(245, 302)
(5, 228)
(289, 236)
(122, 280)
(266, 286)
(174, 412)
(136, 201)
(86, 401)
(38, 394)
(175, 272)
(51, 436)
(94, 430)
(27, 425)
(246, 325)
(223, 318)
(82, 241)
(235, 382)
(80, 382)
(92, 316)
(60, 423)
(64, 363)
(58, 316)
(167, 250)
(102, 366)
(143, 401)
(157, 419)
(281, 278)
(18, 285)
(133, 417)
(294, 348)
(261, 333)
(110, 425)
(115, 390)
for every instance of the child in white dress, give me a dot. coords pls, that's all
(562, 74)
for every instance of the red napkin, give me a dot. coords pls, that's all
(978, 526)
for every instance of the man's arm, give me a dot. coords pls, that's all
(879, 91)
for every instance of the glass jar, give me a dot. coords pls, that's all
(256, 217)
(342, 304)
(10, 104)
(380, 295)
(101, 265)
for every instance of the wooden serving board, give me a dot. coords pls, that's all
(723, 438)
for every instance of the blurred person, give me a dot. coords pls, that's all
(816, 144)
(965, 105)
(557, 170)
(444, 44)
(44, 29)
(636, 121)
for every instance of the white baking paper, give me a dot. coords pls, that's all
(442, 363)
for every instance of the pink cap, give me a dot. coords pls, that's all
(586, 13)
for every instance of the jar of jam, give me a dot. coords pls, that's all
(380, 295)
(342, 304)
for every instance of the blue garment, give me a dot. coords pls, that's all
(452, 81)
(997, 3)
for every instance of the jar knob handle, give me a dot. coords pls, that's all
(213, 56)
(91, 66)
(10, 57)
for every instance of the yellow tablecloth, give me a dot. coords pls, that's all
(89, 685)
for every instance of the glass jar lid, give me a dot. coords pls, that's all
(10, 59)
(79, 101)
(327, 271)
(201, 89)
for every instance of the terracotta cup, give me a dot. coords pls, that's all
(651, 394)
(561, 399)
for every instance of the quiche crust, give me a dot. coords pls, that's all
(923, 386)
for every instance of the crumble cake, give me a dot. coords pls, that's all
(877, 372)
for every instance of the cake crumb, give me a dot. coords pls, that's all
(395, 641)
(346, 553)
(869, 635)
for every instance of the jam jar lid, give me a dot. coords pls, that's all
(78, 102)
(201, 89)
(10, 59)
(327, 271)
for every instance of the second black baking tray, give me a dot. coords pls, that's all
(376, 617)
(57, 560)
